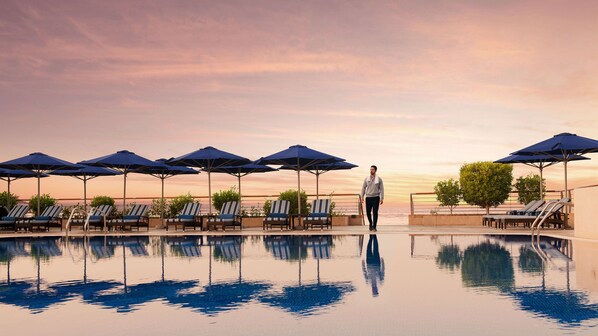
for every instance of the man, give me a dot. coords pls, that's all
(373, 190)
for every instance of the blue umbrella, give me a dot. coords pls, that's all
(85, 174)
(10, 175)
(539, 161)
(564, 145)
(243, 170)
(165, 171)
(300, 157)
(208, 159)
(125, 162)
(320, 169)
(39, 163)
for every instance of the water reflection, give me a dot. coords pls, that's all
(302, 276)
(305, 299)
(489, 265)
(373, 266)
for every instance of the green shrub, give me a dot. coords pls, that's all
(103, 200)
(486, 184)
(528, 188)
(267, 207)
(448, 193)
(223, 196)
(176, 205)
(9, 200)
(45, 201)
(158, 206)
(291, 196)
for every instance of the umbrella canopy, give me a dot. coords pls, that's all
(39, 163)
(319, 169)
(163, 172)
(125, 162)
(564, 144)
(10, 175)
(243, 170)
(539, 161)
(300, 157)
(85, 174)
(208, 159)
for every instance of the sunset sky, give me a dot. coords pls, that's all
(415, 87)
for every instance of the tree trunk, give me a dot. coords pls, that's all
(487, 210)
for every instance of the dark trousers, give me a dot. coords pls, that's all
(371, 205)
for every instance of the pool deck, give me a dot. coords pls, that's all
(346, 230)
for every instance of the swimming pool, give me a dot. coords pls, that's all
(292, 285)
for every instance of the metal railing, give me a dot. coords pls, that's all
(251, 205)
(425, 203)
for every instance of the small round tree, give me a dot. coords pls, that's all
(486, 184)
(528, 188)
(223, 196)
(448, 193)
(45, 201)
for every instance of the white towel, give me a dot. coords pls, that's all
(376, 179)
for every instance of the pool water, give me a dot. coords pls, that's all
(383, 284)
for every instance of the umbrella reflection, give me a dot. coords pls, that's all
(305, 299)
(222, 296)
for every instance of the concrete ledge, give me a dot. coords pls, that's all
(445, 220)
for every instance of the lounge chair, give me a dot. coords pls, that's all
(278, 216)
(530, 209)
(96, 218)
(188, 217)
(135, 218)
(17, 213)
(527, 220)
(50, 217)
(229, 216)
(319, 215)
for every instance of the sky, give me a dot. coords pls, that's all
(416, 87)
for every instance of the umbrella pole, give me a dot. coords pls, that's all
(38, 194)
(240, 202)
(124, 194)
(162, 206)
(566, 186)
(541, 184)
(317, 186)
(299, 194)
(85, 193)
(566, 219)
(210, 191)
(8, 196)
